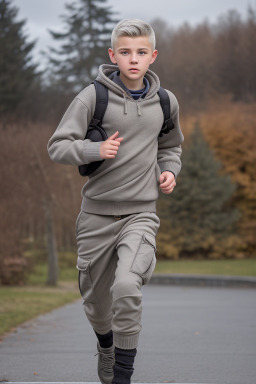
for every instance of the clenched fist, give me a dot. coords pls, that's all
(109, 147)
(167, 182)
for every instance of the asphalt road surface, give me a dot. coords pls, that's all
(189, 335)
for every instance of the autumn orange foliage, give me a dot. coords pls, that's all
(230, 129)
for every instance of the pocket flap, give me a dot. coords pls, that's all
(150, 240)
(145, 255)
(82, 264)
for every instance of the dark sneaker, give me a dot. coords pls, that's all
(106, 360)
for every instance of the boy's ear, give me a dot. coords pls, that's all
(112, 55)
(154, 56)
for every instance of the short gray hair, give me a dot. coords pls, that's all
(133, 28)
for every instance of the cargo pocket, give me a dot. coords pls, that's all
(84, 280)
(145, 259)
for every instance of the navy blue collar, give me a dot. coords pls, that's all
(141, 93)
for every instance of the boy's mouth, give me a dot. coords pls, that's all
(133, 70)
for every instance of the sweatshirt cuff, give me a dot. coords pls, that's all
(91, 150)
(170, 166)
(167, 170)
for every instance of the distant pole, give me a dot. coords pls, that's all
(52, 275)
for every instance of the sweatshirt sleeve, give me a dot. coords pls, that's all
(169, 145)
(68, 145)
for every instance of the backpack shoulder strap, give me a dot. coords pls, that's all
(101, 103)
(165, 103)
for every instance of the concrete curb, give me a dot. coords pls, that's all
(203, 280)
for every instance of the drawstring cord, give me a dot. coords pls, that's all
(138, 107)
(125, 104)
(126, 108)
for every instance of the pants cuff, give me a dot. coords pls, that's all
(126, 341)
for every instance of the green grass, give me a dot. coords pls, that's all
(243, 267)
(19, 304)
(39, 275)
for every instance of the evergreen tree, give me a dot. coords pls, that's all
(198, 219)
(17, 72)
(84, 44)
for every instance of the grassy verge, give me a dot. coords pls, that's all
(244, 267)
(39, 275)
(22, 303)
(19, 304)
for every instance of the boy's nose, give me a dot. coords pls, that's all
(134, 59)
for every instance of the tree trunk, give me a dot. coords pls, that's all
(52, 276)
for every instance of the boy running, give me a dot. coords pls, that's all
(117, 224)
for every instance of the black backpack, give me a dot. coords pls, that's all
(95, 131)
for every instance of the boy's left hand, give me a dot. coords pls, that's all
(167, 182)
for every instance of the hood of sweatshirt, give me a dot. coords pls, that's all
(105, 76)
(106, 70)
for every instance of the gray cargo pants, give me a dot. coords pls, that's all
(116, 256)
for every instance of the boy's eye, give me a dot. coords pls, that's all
(124, 53)
(142, 53)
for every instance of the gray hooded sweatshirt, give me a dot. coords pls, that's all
(129, 183)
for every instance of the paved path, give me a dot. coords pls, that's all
(190, 335)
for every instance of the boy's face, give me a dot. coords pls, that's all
(133, 55)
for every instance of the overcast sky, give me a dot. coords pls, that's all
(44, 14)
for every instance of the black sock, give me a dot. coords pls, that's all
(125, 357)
(123, 367)
(106, 341)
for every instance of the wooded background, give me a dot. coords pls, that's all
(211, 70)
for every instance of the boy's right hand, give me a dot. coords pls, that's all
(109, 147)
